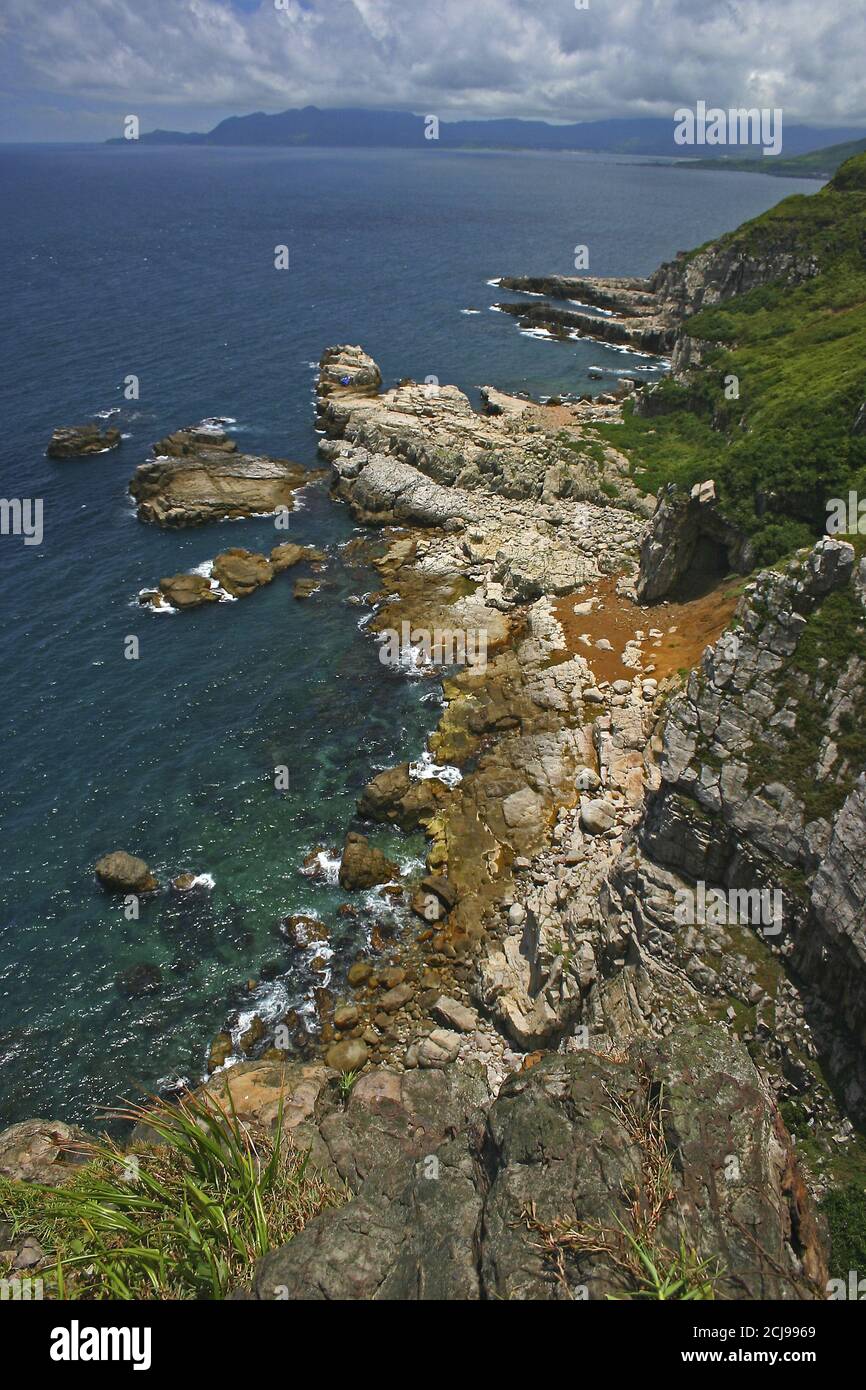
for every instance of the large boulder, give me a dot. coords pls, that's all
(394, 796)
(120, 872)
(187, 590)
(363, 866)
(240, 571)
(533, 1202)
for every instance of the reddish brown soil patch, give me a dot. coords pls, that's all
(686, 628)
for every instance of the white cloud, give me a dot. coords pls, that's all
(201, 59)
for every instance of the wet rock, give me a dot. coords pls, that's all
(362, 865)
(120, 872)
(302, 931)
(187, 591)
(393, 796)
(240, 572)
(597, 816)
(437, 1049)
(73, 441)
(220, 1050)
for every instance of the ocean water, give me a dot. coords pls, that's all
(160, 263)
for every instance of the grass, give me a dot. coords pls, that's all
(845, 1211)
(797, 346)
(651, 1268)
(184, 1218)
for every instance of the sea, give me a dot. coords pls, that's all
(161, 265)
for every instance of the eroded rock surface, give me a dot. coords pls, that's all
(197, 476)
(459, 1202)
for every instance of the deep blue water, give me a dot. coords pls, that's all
(161, 263)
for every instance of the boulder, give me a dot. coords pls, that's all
(362, 865)
(454, 1014)
(240, 572)
(350, 1055)
(187, 590)
(120, 872)
(597, 816)
(394, 796)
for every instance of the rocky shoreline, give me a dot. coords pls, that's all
(621, 749)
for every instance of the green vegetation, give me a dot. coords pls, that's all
(817, 164)
(834, 634)
(640, 1256)
(797, 347)
(845, 1211)
(183, 1219)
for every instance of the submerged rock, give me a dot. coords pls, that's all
(144, 978)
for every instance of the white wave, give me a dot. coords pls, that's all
(425, 768)
(204, 881)
(325, 866)
(470, 311)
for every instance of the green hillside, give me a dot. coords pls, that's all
(788, 444)
(817, 164)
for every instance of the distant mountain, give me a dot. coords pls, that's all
(817, 164)
(401, 129)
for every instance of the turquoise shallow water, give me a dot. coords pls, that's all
(160, 263)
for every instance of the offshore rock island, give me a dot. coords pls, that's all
(668, 715)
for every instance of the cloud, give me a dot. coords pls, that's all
(198, 60)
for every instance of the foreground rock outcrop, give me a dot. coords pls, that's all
(198, 476)
(526, 1198)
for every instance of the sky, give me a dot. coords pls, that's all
(73, 69)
